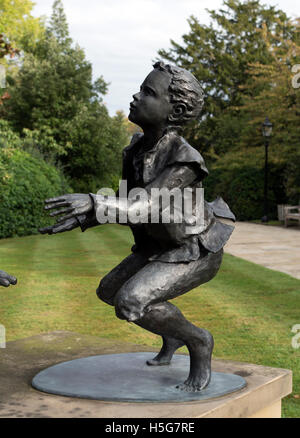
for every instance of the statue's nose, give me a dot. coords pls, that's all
(136, 96)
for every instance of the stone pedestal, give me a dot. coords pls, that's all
(21, 360)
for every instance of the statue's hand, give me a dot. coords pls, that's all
(73, 205)
(6, 279)
(60, 227)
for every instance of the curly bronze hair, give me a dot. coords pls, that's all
(184, 88)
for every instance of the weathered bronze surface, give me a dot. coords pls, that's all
(166, 260)
(125, 378)
(6, 279)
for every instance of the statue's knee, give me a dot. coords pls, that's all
(104, 292)
(128, 307)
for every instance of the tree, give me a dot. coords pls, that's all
(271, 90)
(219, 55)
(52, 85)
(95, 159)
(6, 48)
(131, 128)
(18, 31)
(58, 107)
(58, 25)
(18, 25)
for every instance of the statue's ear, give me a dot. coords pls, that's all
(179, 110)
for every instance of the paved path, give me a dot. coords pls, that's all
(273, 247)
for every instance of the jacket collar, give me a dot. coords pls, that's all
(170, 131)
(170, 149)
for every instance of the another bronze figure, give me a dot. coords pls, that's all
(166, 260)
(6, 279)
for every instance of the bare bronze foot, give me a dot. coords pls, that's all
(195, 383)
(156, 361)
(164, 357)
(200, 366)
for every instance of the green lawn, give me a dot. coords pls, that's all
(249, 309)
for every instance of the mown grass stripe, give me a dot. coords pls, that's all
(249, 309)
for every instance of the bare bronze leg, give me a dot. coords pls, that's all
(143, 299)
(165, 319)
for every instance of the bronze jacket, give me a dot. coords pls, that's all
(172, 163)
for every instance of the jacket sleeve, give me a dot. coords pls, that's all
(90, 220)
(176, 176)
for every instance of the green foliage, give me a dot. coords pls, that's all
(243, 60)
(269, 91)
(219, 55)
(58, 27)
(25, 182)
(57, 107)
(6, 48)
(240, 182)
(53, 83)
(42, 141)
(18, 25)
(8, 138)
(95, 159)
(48, 92)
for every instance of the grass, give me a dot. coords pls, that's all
(249, 309)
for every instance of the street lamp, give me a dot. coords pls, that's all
(266, 132)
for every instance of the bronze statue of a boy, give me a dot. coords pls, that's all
(166, 261)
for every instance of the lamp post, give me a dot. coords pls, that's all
(266, 132)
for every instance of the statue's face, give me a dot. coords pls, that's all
(151, 106)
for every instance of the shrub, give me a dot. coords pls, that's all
(25, 182)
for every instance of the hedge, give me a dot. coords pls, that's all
(25, 182)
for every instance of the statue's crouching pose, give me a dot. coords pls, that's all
(168, 259)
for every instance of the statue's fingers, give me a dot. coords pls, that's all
(64, 226)
(12, 279)
(57, 204)
(61, 227)
(4, 282)
(46, 230)
(64, 210)
(66, 217)
(56, 199)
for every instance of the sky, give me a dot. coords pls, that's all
(121, 38)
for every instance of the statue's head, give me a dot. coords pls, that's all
(169, 96)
